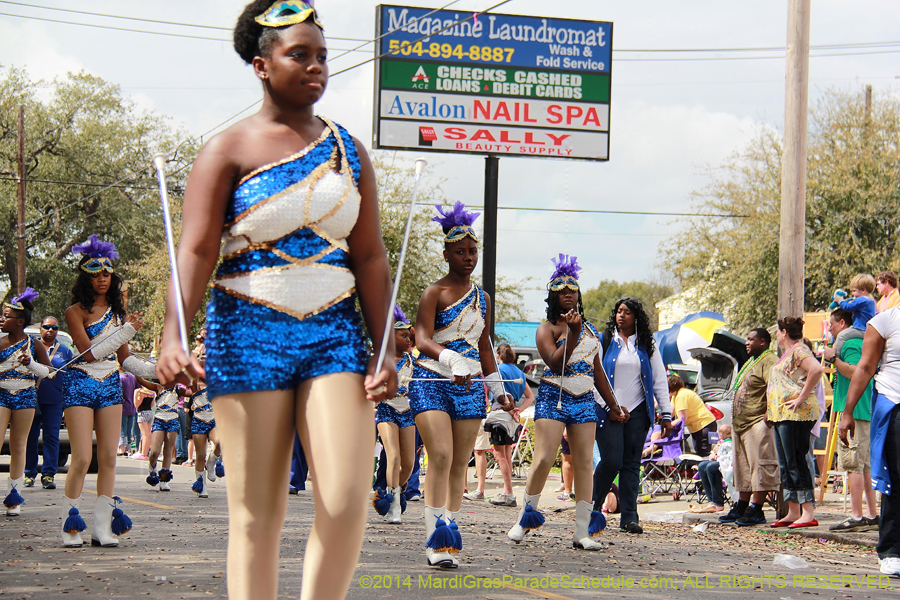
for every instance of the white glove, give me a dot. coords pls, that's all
(113, 342)
(140, 367)
(38, 369)
(495, 385)
(453, 361)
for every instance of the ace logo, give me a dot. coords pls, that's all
(420, 79)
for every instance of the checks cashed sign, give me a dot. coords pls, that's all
(498, 84)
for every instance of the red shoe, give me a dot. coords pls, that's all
(796, 525)
(782, 524)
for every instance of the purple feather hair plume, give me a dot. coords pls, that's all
(399, 315)
(458, 215)
(565, 265)
(96, 248)
(29, 295)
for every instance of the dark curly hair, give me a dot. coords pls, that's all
(553, 309)
(252, 39)
(83, 292)
(26, 313)
(641, 323)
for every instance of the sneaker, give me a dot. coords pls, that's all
(890, 566)
(504, 500)
(737, 511)
(139, 457)
(752, 517)
(850, 524)
(47, 482)
(414, 498)
(180, 460)
(874, 523)
(476, 495)
(564, 497)
(29, 482)
(631, 527)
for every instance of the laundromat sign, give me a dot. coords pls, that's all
(498, 84)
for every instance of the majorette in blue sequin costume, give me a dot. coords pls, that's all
(285, 268)
(166, 416)
(17, 389)
(396, 410)
(95, 384)
(204, 420)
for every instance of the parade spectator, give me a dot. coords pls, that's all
(299, 468)
(129, 413)
(862, 307)
(854, 457)
(714, 471)
(482, 445)
(144, 401)
(48, 416)
(886, 284)
(566, 471)
(881, 344)
(794, 409)
(755, 457)
(698, 420)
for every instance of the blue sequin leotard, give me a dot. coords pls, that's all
(458, 327)
(17, 390)
(95, 384)
(282, 308)
(577, 383)
(396, 410)
(203, 420)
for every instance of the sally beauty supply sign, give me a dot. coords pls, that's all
(495, 84)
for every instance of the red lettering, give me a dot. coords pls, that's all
(504, 137)
(483, 134)
(485, 112)
(591, 117)
(454, 133)
(502, 111)
(572, 112)
(517, 112)
(526, 119)
(555, 115)
(557, 141)
(529, 139)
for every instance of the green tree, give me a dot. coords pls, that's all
(852, 212)
(599, 301)
(87, 162)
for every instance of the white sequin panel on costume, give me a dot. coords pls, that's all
(468, 325)
(578, 384)
(12, 364)
(202, 408)
(102, 367)
(401, 403)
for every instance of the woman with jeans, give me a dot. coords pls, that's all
(794, 409)
(881, 343)
(638, 375)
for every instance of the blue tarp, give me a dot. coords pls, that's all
(516, 333)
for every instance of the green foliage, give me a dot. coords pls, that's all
(852, 212)
(599, 301)
(80, 129)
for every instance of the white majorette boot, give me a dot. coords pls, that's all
(200, 484)
(438, 540)
(14, 500)
(393, 515)
(211, 460)
(165, 476)
(529, 518)
(108, 520)
(72, 523)
(588, 523)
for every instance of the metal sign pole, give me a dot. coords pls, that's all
(489, 252)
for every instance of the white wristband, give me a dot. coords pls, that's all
(140, 367)
(113, 342)
(38, 369)
(495, 385)
(453, 361)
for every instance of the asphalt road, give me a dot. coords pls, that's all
(177, 550)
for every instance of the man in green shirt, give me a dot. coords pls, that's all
(853, 458)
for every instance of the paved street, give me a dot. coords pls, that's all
(177, 550)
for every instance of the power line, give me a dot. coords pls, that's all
(84, 183)
(618, 212)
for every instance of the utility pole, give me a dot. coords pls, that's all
(20, 158)
(793, 172)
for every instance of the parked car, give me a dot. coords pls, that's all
(688, 374)
(529, 360)
(719, 364)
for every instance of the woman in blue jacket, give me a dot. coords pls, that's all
(637, 375)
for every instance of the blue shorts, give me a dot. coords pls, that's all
(575, 409)
(388, 414)
(159, 425)
(199, 427)
(22, 399)
(445, 396)
(83, 390)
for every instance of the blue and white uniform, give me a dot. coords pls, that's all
(286, 268)
(458, 327)
(17, 383)
(95, 384)
(396, 410)
(204, 420)
(166, 416)
(578, 404)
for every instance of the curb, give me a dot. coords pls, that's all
(867, 539)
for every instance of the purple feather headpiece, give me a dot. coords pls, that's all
(29, 295)
(565, 265)
(96, 248)
(400, 319)
(456, 222)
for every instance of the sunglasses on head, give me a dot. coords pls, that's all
(49, 327)
(96, 265)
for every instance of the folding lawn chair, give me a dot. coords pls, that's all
(664, 472)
